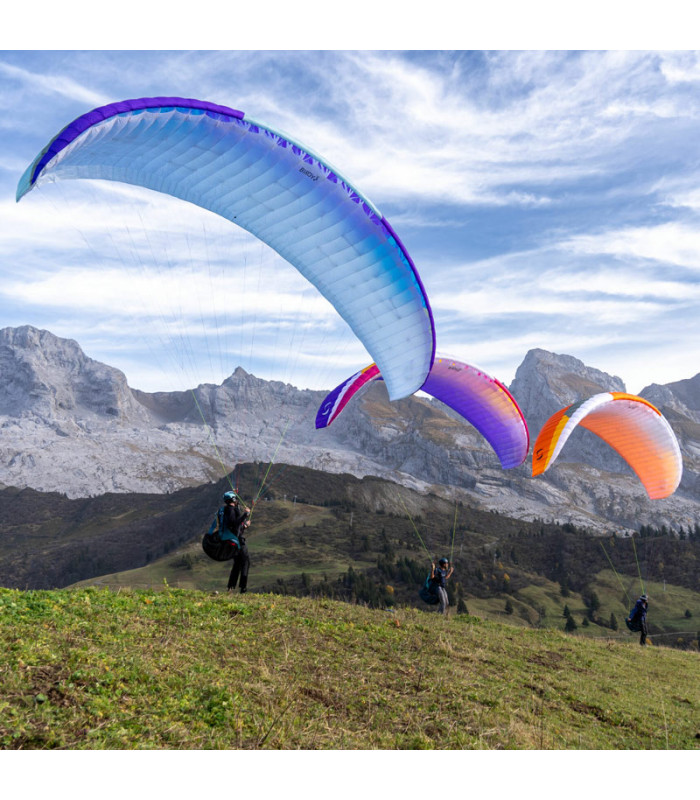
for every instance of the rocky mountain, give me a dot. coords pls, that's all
(73, 425)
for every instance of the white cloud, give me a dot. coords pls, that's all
(669, 243)
(50, 83)
(679, 191)
(680, 67)
(179, 294)
(466, 134)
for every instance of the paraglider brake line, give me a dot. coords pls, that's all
(639, 571)
(454, 530)
(616, 574)
(267, 472)
(427, 552)
(211, 437)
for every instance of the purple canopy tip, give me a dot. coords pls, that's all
(85, 121)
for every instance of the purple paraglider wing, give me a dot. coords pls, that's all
(485, 403)
(336, 401)
(482, 400)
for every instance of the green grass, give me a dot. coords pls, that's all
(91, 668)
(289, 539)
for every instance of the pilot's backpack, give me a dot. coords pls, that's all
(427, 592)
(220, 549)
(632, 620)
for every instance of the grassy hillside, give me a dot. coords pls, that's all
(183, 669)
(505, 570)
(367, 541)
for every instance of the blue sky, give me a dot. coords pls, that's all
(548, 199)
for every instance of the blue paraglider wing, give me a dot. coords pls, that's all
(274, 187)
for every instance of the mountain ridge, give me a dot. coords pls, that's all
(73, 425)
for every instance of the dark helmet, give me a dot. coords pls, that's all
(230, 497)
(644, 598)
(443, 561)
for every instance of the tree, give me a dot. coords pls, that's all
(688, 615)
(570, 625)
(566, 613)
(509, 606)
(462, 606)
(613, 621)
(593, 602)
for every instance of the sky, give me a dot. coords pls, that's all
(548, 198)
(538, 160)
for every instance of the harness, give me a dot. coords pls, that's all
(221, 543)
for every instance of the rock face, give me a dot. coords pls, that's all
(71, 424)
(546, 382)
(52, 380)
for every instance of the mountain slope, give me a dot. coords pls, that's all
(359, 540)
(73, 426)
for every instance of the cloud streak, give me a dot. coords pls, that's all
(547, 198)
